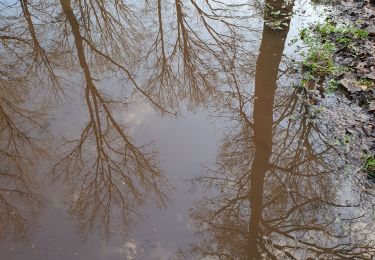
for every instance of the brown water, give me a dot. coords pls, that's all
(168, 130)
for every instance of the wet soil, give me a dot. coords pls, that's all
(361, 62)
(350, 111)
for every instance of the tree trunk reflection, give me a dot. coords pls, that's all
(267, 69)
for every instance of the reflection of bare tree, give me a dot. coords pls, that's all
(274, 188)
(17, 150)
(109, 176)
(29, 50)
(272, 170)
(105, 169)
(191, 55)
(45, 42)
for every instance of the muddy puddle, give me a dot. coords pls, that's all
(169, 130)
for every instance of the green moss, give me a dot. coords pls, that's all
(360, 34)
(323, 41)
(330, 29)
(326, 29)
(332, 86)
(319, 61)
(369, 165)
(366, 82)
(344, 40)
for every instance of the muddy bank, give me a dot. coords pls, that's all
(339, 77)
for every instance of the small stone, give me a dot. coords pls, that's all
(371, 29)
(371, 106)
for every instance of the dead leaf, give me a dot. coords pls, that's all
(352, 85)
(361, 67)
(370, 75)
(371, 30)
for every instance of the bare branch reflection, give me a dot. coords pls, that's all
(192, 54)
(18, 149)
(273, 194)
(105, 169)
(54, 46)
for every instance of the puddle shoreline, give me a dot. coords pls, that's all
(347, 111)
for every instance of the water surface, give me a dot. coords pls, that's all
(168, 130)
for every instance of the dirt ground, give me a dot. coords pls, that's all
(349, 113)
